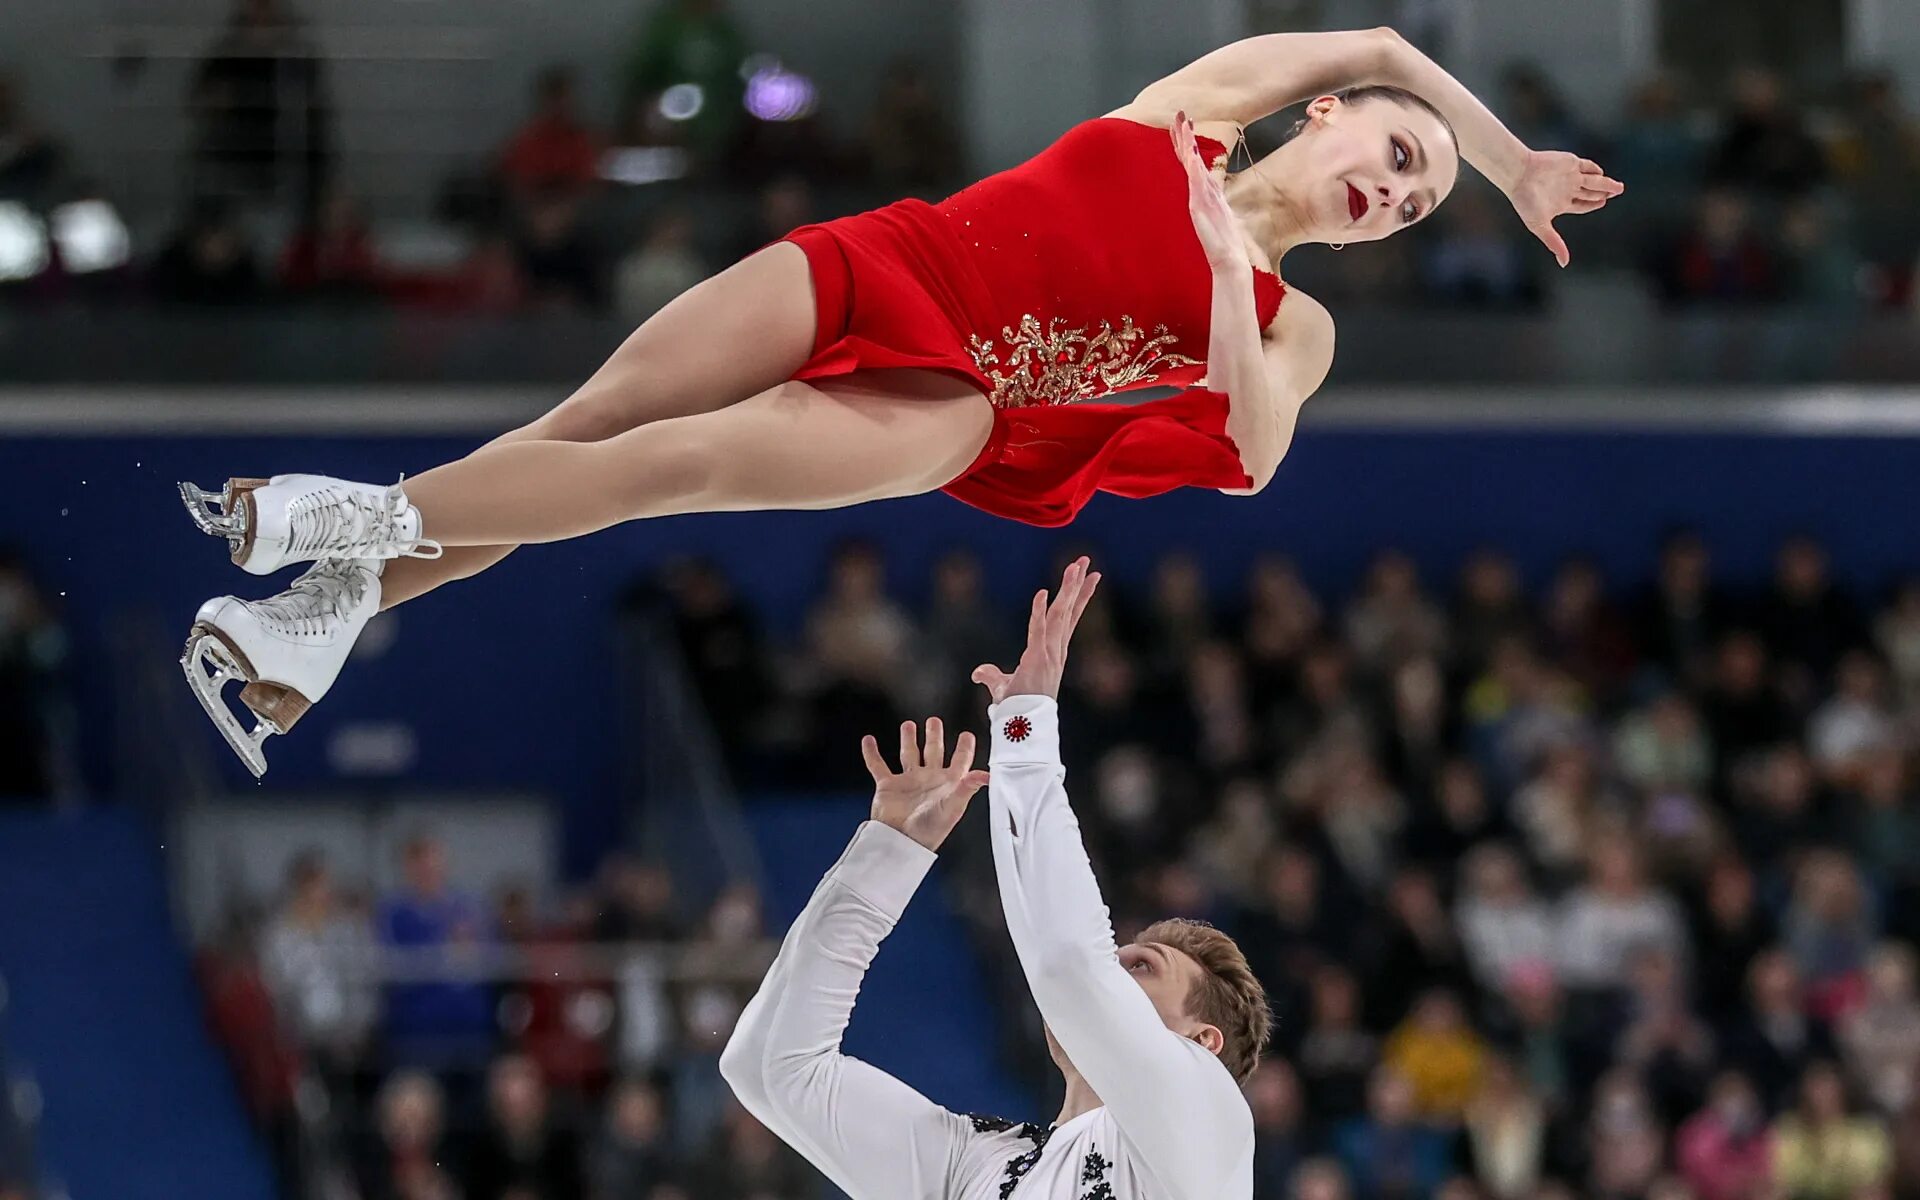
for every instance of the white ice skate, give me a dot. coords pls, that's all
(288, 649)
(270, 523)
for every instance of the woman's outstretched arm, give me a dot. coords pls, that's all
(1258, 76)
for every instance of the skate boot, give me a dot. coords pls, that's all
(287, 649)
(270, 523)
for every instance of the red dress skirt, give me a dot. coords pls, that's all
(1069, 279)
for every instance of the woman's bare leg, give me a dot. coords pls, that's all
(872, 435)
(725, 339)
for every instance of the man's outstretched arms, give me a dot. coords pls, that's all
(1171, 1097)
(874, 1136)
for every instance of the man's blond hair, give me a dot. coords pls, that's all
(1228, 996)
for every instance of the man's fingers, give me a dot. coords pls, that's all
(935, 754)
(876, 766)
(1037, 619)
(964, 748)
(1586, 204)
(909, 746)
(1086, 597)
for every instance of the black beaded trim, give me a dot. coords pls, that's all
(1093, 1170)
(1018, 1166)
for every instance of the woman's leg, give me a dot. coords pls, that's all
(869, 436)
(725, 339)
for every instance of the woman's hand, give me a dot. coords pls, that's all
(1553, 184)
(1213, 221)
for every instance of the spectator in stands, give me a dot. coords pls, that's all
(332, 255)
(1474, 263)
(1320, 1179)
(1765, 143)
(1418, 948)
(1855, 723)
(1279, 1127)
(963, 628)
(1506, 1132)
(1776, 1040)
(1488, 608)
(409, 1156)
(558, 258)
(1821, 1151)
(1388, 1153)
(210, 260)
(1613, 916)
(1657, 146)
(746, 1161)
(693, 45)
(1337, 1056)
(316, 959)
(1818, 265)
(1680, 618)
(1884, 825)
(1878, 157)
(1897, 633)
(442, 930)
(1661, 1038)
(524, 1150)
(1560, 807)
(725, 653)
(663, 264)
(1881, 1036)
(1830, 927)
(1744, 711)
(1663, 747)
(555, 150)
(783, 205)
(1725, 1151)
(1535, 110)
(263, 122)
(30, 161)
(635, 1152)
(1731, 930)
(1439, 1055)
(33, 715)
(858, 637)
(1807, 619)
(267, 1062)
(1503, 926)
(1626, 1144)
(1393, 619)
(1720, 258)
(912, 144)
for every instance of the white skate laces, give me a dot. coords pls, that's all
(269, 523)
(286, 650)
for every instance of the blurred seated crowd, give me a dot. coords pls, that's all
(1578, 891)
(432, 1043)
(1739, 193)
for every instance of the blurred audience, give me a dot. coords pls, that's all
(263, 120)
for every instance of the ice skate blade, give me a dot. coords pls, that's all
(210, 663)
(224, 514)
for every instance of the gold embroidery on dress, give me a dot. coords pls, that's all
(1062, 365)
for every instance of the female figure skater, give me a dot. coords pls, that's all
(962, 346)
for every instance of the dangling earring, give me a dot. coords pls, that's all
(1338, 245)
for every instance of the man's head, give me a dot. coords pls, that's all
(1203, 989)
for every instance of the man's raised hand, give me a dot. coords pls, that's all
(927, 797)
(1049, 629)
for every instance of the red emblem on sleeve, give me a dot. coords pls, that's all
(1017, 729)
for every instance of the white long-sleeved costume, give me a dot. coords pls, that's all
(1174, 1125)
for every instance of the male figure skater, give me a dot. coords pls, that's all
(1153, 1038)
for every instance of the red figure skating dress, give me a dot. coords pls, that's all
(1064, 280)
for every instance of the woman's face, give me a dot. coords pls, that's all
(1372, 168)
